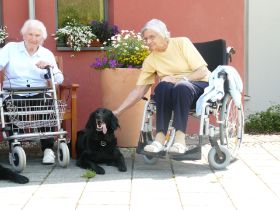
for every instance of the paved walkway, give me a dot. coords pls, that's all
(251, 182)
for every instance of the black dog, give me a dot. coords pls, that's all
(7, 174)
(97, 143)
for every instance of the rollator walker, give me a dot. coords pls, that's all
(32, 119)
(221, 121)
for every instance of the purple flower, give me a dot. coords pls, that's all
(104, 62)
(115, 29)
(97, 64)
(93, 22)
(113, 63)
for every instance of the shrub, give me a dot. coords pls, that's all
(264, 122)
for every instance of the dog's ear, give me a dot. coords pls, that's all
(114, 122)
(91, 121)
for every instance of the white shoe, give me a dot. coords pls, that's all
(154, 147)
(177, 149)
(49, 157)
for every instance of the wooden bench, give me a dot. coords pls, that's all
(68, 92)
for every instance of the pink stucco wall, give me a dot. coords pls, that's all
(197, 19)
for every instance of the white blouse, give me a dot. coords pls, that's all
(20, 68)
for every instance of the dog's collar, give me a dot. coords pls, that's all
(103, 143)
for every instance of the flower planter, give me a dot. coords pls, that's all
(95, 43)
(116, 84)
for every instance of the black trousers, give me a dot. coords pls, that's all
(45, 143)
(179, 98)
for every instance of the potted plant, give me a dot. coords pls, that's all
(75, 35)
(120, 67)
(127, 50)
(3, 34)
(103, 31)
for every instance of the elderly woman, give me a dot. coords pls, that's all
(183, 76)
(24, 64)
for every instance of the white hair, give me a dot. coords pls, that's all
(157, 26)
(31, 23)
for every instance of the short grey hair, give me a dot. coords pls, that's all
(157, 26)
(31, 23)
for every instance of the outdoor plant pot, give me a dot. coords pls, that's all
(116, 84)
(96, 43)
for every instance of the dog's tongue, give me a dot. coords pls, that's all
(104, 128)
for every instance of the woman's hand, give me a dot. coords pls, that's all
(43, 64)
(169, 79)
(133, 97)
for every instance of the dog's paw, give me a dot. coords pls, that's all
(100, 170)
(19, 179)
(122, 168)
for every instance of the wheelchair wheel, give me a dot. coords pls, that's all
(63, 154)
(150, 160)
(18, 160)
(232, 128)
(214, 160)
(150, 122)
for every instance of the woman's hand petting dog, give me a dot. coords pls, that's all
(8, 174)
(97, 143)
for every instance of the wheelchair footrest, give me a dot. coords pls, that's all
(152, 154)
(192, 154)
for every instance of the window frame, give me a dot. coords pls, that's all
(106, 18)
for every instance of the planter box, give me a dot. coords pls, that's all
(116, 84)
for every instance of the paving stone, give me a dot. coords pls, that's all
(250, 182)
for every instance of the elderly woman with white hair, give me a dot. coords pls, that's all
(24, 63)
(183, 76)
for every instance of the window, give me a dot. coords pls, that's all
(84, 11)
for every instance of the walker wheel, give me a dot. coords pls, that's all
(63, 154)
(214, 160)
(18, 159)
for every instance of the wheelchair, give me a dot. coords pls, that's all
(221, 121)
(25, 119)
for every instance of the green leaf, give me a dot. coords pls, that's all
(89, 174)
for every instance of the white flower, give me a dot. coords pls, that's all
(77, 35)
(3, 34)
